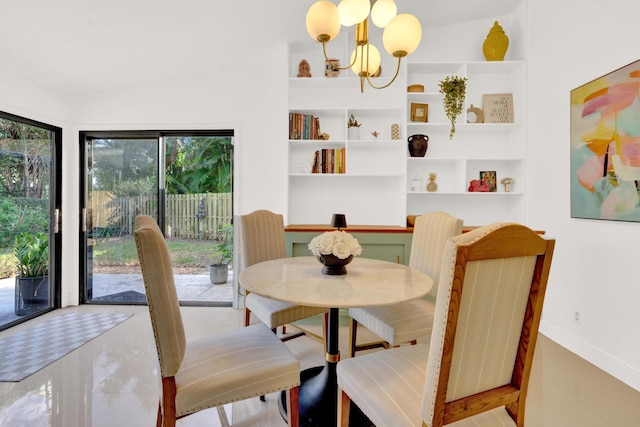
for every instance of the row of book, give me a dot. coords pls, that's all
(303, 126)
(329, 160)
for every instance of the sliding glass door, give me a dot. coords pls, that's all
(183, 180)
(29, 218)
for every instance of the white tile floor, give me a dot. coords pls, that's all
(112, 381)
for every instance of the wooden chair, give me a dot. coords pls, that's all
(406, 322)
(475, 371)
(262, 239)
(211, 371)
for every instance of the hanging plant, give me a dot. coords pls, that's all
(454, 89)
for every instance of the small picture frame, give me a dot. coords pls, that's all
(330, 68)
(419, 112)
(497, 107)
(490, 178)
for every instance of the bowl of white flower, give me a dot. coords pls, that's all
(334, 250)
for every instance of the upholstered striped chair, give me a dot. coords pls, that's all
(211, 371)
(262, 239)
(475, 370)
(408, 321)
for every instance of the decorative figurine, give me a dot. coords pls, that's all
(304, 70)
(375, 134)
(432, 185)
(478, 186)
(507, 184)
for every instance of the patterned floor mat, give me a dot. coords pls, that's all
(48, 341)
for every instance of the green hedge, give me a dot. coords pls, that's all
(18, 215)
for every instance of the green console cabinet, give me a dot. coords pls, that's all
(386, 243)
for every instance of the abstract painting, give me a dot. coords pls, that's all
(605, 146)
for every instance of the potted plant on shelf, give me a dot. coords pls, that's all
(32, 283)
(454, 89)
(353, 128)
(221, 256)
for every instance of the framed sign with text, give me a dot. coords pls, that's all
(497, 107)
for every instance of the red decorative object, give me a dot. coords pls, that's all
(478, 185)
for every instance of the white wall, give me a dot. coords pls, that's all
(595, 266)
(25, 98)
(249, 97)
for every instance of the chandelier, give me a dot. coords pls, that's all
(401, 36)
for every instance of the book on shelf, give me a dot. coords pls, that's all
(303, 126)
(329, 160)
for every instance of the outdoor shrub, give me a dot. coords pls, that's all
(18, 215)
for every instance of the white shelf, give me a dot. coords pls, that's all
(375, 189)
(475, 147)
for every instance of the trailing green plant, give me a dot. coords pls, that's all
(223, 247)
(32, 254)
(454, 89)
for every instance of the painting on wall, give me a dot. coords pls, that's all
(605, 146)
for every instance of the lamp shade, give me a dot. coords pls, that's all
(323, 19)
(339, 221)
(402, 34)
(382, 12)
(368, 59)
(353, 11)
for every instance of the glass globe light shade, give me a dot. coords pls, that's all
(382, 12)
(403, 33)
(323, 18)
(353, 11)
(370, 64)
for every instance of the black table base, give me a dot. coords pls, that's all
(318, 395)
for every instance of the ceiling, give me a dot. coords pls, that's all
(82, 46)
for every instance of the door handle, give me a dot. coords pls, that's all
(56, 221)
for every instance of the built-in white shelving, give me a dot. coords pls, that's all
(382, 184)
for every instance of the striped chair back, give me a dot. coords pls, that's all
(487, 315)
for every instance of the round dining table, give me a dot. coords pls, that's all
(300, 281)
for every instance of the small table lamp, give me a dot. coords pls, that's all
(339, 221)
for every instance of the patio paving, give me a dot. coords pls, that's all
(191, 288)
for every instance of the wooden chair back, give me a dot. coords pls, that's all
(492, 288)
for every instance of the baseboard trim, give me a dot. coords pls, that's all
(592, 354)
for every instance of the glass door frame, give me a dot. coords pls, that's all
(84, 136)
(55, 215)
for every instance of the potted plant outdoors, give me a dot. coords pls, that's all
(221, 256)
(454, 89)
(32, 283)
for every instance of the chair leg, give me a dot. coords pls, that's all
(159, 419)
(222, 416)
(292, 407)
(247, 312)
(168, 402)
(344, 406)
(353, 330)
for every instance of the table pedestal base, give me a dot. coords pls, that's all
(317, 397)
(317, 400)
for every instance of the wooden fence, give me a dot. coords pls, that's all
(188, 216)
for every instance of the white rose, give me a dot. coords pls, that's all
(341, 250)
(326, 243)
